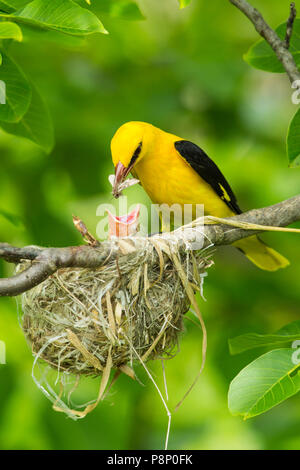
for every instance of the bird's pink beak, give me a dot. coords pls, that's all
(124, 225)
(121, 173)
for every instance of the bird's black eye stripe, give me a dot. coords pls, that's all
(136, 154)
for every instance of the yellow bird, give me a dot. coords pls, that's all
(175, 171)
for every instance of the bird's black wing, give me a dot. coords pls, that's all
(208, 170)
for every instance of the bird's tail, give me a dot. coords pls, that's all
(261, 254)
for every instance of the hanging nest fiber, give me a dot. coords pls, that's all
(80, 321)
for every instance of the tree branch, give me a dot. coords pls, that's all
(279, 47)
(279, 215)
(46, 261)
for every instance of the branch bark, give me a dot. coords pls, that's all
(279, 47)
(46, 261)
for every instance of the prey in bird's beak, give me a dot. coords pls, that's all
(118, 179)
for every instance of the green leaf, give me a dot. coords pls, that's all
(9, 30)
(288, 333)
(35, 125)
(61, 15)
(184, 3)
(266, 382)
(123, 9)
(293, 140)
(12, 218)
(31, 34)
(12, 5)
(262, 56)
(18, 91)
(291, 329)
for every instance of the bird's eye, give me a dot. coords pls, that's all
(136, 154)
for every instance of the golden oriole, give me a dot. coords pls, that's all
(175, 171)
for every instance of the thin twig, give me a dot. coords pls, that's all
(82, 229)
(278, 46)
(290, 24)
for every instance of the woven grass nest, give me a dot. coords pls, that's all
(86, 321)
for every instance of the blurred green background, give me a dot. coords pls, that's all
(183, 71)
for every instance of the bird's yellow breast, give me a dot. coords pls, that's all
(169, 179)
